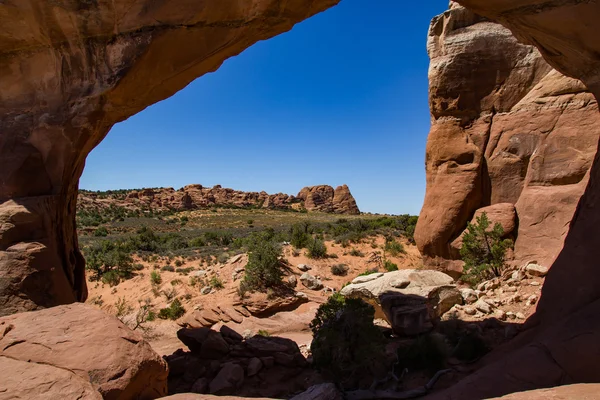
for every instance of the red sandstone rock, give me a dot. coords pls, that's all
(504, 125)
(95, 346)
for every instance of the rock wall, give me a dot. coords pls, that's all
(506, 129)
(339, 201)
(70, 71)
(561, 345)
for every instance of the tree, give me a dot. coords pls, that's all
(264, 268)
(483, 250)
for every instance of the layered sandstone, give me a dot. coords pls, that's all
(316, 198)
(79, 348)
(70, 71)
(506, 129)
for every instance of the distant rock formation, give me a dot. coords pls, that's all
(316, 198)
(506, 128)
(323, 198)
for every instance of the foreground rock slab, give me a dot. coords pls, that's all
(96, 347)
(410, 300)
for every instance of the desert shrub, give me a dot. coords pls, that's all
(390, 266)
(108, 256)
(169, 268)
(426, 353)
(101, 232)
(394, 248)
(316, 249)
(111, 278)
(250, 222)
(174, 311)
(346, 345)
(339, 269)
(264, 333)
(178, 263)
(197, 242)
(483, 250)
(264, 268)
(356, 253)
(155, 278)
(138, 267)
(369, 272)
(175, 282)
(223, 257)
(170, 294)
(300, 237)
(216, 283)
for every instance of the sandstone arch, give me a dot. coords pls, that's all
(69, 70)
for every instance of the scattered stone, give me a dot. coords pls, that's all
(510, 315)
(469, 296)
(500, 315)
(483, 306)
(304, 267)
(230, 333)
(531, 300)
(311, 282)
(254, 366)
(230, 377)
(536, 270)
(510, 289)
(520, 315)
(198, 274)
(292, 280)
(518, 275)
(206, 290)
(469, 310)
(247, 334)
(302, 295)
(534, 283)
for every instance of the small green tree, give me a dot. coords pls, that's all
(483, 250)
(264, 269)
(317, 249)
(347, 346)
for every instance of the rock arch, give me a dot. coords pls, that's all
(70, 70)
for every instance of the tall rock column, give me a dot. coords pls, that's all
(70, 71)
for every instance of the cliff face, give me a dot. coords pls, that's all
(72, 69)
(506, 129)
(339, 201)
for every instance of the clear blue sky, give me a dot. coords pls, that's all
(342, 98)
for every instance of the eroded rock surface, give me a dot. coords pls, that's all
(507, 129)
(70, 71)
(192, 197)
(325, 199)
(97, 348)
(410, 300)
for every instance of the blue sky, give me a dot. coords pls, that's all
(342, 98)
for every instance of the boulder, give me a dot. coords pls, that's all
(323, 391)
(536, 270)
(304, 267)
(311, 282)
(230, 377)
(411, 308)
(582, 391)
(254, 366)
(204, 342)
(367, 278)
(28, 380)
(97, 347)
(503, 124)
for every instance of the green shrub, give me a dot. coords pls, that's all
(427, 352)
(264, 333)
(101, 232)
(317, 249)
(339, 269)
(111, 278)
(178, 263)
(369, 272)
(356, 253)
(169, 268)
(155, 278)
(174, 311)
(346, 345)
(264, 268)
(483, 250)
(394, 248)
(216, 283)
(300, 237)
(108, 256)
(390, 266)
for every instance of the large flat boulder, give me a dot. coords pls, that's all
(410, 300)
(116, 361)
